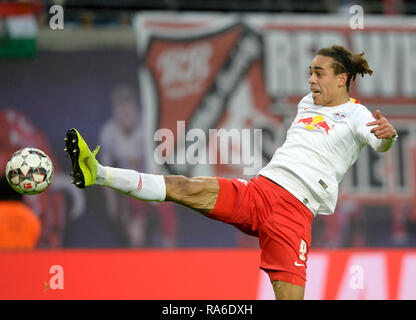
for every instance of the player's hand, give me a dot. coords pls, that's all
(383, 128)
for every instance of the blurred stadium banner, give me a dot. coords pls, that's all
(250, 71)
(200, 275)
(18, 29)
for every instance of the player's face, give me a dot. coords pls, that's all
(328, 89)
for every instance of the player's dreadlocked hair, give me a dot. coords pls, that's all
(348, 62)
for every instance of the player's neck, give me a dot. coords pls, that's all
(339, 101)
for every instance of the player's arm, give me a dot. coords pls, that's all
(383, 128)
(384, 131)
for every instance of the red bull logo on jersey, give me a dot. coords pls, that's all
(316, 122)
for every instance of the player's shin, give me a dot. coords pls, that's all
(146, 187)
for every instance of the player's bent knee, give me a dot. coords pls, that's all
(287, 291)
(199, 193)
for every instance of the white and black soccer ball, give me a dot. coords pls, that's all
(29, 171)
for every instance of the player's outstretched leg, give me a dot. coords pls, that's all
(197, 193)
(84, 164)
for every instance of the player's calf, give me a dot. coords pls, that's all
(142, 186)
(198, 193)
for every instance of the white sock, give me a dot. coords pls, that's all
(146, 187)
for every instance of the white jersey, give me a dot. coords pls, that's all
(321, 145)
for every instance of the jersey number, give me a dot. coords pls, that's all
(303, 250)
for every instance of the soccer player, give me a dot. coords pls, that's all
(300, 181)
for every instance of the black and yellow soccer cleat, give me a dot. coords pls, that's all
(84, 164)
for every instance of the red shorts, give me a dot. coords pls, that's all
(282, 223)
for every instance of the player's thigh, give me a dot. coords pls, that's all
(198, 193)
(287, 291)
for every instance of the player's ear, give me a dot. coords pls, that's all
(342, 79)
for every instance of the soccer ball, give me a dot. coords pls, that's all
(29, 171)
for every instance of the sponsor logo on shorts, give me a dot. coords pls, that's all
(297, 264)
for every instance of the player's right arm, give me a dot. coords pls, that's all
(376, 131)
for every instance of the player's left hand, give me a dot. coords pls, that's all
(384, 129)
